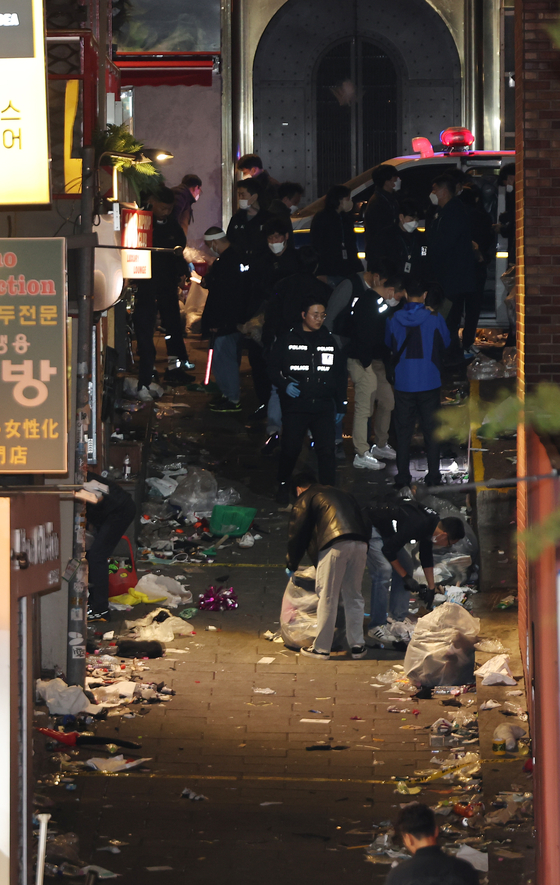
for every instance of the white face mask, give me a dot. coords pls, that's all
(392, 302)
(293, 210)
(347, 205)
(243, 204)
(434, 199)
(214, 253)
(409, 226)
(397, 185)
(277, 248)
(509, 188)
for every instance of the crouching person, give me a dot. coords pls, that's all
(394, 524)
(328, 524)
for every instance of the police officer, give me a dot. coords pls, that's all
(304, 366)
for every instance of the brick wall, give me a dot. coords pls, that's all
(538, 190)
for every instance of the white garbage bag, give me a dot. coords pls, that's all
(441, 651)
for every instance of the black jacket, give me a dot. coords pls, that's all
(283, 311)
(332, 237)
(312, 360)
(166, 267)
(267, 270)
(321, 516)
(367, 340)
(269, 187)
(381, 212)
(429, 866)
(228, 287)
(408, 251)
(413, 521)
(245, 233)
(450, 249)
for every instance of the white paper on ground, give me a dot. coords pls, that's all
(116, 763)
(62, 699)
(478, 859)
(320, 721)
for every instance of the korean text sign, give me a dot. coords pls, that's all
(33, 412)
(24, 149)
(136, 230)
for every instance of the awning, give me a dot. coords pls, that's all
(166, 69)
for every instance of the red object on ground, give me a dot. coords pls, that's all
(123, 579)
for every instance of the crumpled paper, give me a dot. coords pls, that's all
(62, 699)
(218, 599)
(496, 671)
(115, 763)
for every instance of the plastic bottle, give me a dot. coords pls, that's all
(126, 467)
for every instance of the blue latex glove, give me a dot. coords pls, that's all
(339, 416)
(289, 572)
(293, 390)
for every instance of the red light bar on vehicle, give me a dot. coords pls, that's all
(457, 137)
(422, 146)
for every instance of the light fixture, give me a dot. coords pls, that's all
(157, 154)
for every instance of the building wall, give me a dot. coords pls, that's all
(186, 120)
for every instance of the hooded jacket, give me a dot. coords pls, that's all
(419, 365)
(312, 360)
(321, 516)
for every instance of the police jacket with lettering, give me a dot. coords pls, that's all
(321, 516)
(228, 294)
(311, 359)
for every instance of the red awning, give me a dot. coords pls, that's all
(147, 69)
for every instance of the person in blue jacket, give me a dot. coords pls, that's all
(417, 338)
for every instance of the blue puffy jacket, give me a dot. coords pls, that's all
(419, 366)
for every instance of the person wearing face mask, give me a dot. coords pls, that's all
(251, 166)
(402, 243)
(333, 237)
(452, 256)
(186, 195)
(506, 223)
(382, 210)
(226, 308)
(279, 260)
(417, 339)
(367, 355)
(159, 294)
(395, 523)
(244, 230)
(287, 203)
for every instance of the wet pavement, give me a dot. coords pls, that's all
(275, 810)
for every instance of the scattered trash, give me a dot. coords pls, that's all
(496, 671)
(102, 873)
(406, 789)
(505, 737)
(493, 646)
(246, 541)
(490, 705)
(441, 651)
(63, 699)
(263, 691)
(218, 599)
(159, 625)
(320, 721)
(194, 797)
(507, 602)
(478, 859)
(130, 648)
(117, 763)
(266, 660)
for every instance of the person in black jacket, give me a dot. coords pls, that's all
(304, 366)
(419, 832)
(483, 238)
(402, 243)
(328, 524)
(394, 524)
(451, 253)
(367, 356)
(382, 210)
(251, 166)
(286, 203)
(226, 308)
(186, 195)
(333, 237)
(245, 229)
(160, 294)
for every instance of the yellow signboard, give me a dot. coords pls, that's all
(24, 145)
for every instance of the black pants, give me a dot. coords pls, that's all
(321, 423)
(473, 305)
(462, 301)
(408, 406)
(108, 536)
(149, 300)
(259, 371)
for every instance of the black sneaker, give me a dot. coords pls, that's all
(220, 398)
(271, 445)
(283, 494)
(339, 452)
(226, 405)
(318, 655)
(358, 651)
(258, 415)
(176, 377)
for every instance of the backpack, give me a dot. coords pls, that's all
(343, 322)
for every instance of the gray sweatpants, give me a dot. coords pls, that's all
(339, 572)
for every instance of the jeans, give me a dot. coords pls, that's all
(225, 364)
(370, 387)
(384, 576)
(321, 424)
(339, 573)
(274, 412)
(149, 301)
(425, 404)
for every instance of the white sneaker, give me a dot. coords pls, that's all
(368, 462)
(144, 395)
(380, 637)
(387, 452)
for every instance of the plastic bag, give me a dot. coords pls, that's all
(62, 699)
(482, 368)
(161, 487)
(509, 734)
(161, 587)
(441, 651)
(228, 496)
(298, 615)
(196, 492)
(496, 671)
(509, 361)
